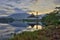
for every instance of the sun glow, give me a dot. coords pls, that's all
(39, 13)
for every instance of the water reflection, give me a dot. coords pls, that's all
(16, 27)
(33, 28)
(7, 29)
(19, 24)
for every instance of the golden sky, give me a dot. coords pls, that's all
(43, 6)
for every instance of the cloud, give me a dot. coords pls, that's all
(42, 6)
(6, 9)
(57, 2)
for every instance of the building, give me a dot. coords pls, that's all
(32, 16)
(35, 27)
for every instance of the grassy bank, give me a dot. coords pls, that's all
(51, 29)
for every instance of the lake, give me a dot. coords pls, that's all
(6, 29)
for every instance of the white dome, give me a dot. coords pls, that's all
(29, 27)
(37, 27)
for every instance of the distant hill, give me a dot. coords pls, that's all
(6, 20)
(19, 15)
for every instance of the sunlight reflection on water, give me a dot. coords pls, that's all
(15, 27)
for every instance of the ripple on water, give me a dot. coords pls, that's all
(7, 29)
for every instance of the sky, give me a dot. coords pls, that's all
(8, 7)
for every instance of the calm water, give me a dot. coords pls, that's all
(7, 29)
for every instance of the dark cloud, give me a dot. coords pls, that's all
(15, 0)
(17, 10)
(57, 2)
(9, 5)
(2, 12)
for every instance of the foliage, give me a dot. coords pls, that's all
(48, 33)
(51, 19)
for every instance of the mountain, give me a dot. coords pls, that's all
(19, 15)
(41, 16)
(6, 20)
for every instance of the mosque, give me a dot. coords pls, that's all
(34, 26)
